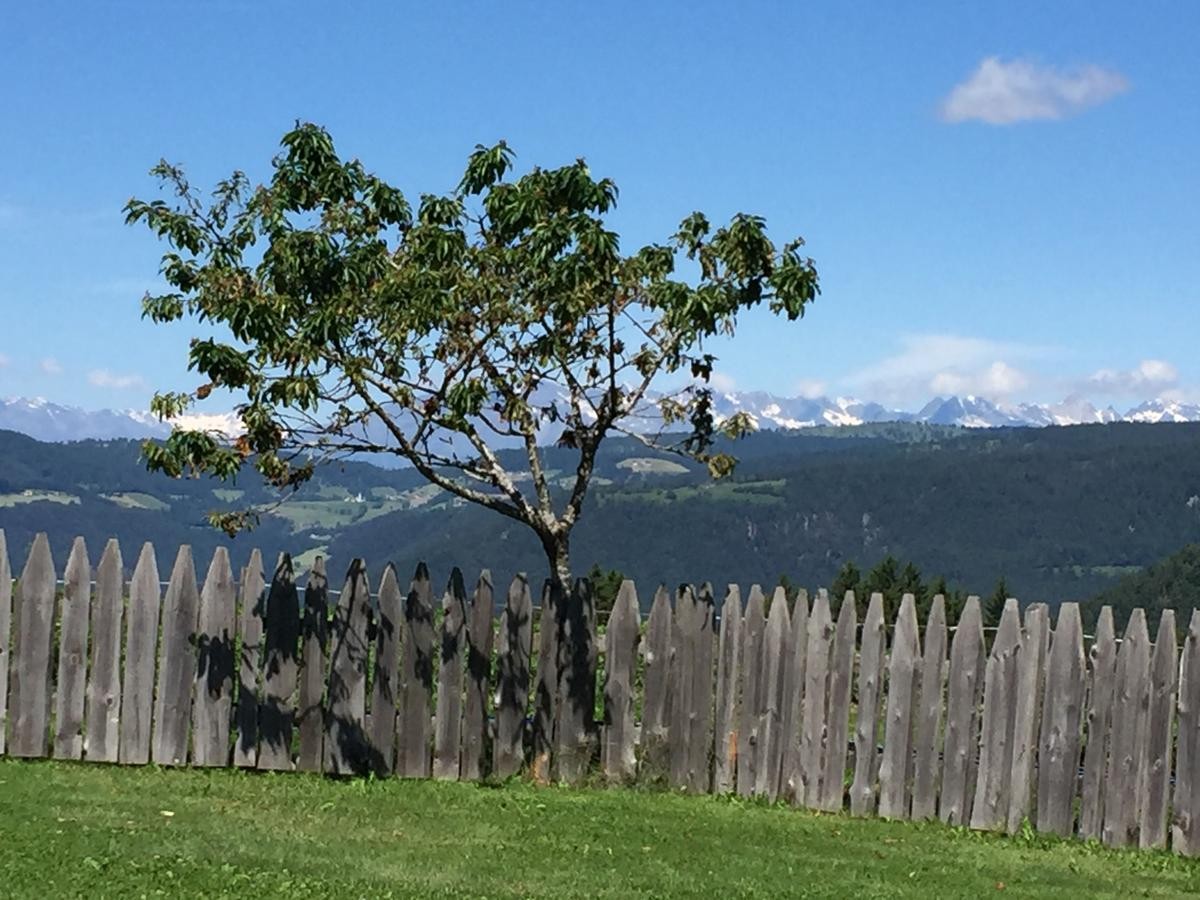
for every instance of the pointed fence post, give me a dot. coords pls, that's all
(141, 639)
(894, 797)
(816, 696)
(964, 687)
(1185, 830)
(841, 676)
(870, 697)
(480, 625)
(1062, 720)
(347, 750)
(1122, 806)
(104, 677)
(253, 601)
(281, 669)
(990, 811)
(212, 703)
(754, 624)
(314, 666)
(512, 674)
(1155, 782)
(1102, 673)
(1030, 663)
(656, 653)
(725, 725)
(791, 783)
(71, 684)
(448, 730)
(387, 673)
(5, 631)
(545, 702)
(618, 760)
(30, 714)
(176, 663)
(416, 680)
(927, 746)
(775, 651)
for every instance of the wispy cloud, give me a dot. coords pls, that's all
(720, 381)
(50, 366)
(1003, 93)
(995, 381)
(811, 388)
(103, 378)
(4, 361)
(1147, 376)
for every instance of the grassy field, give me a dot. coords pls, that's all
(85, 830)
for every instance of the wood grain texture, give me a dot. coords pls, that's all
(990, 810)
(1027, 713)
(1185, 828)
(347, 748)
(903, 671)
(1122, 797)
(1062, 724)
(416, 679)
(656, 658)
(71, 684)
(964, 688)
(870, 698)
(31, 688)
(792, 785)
(176, 663)
(281, 669)
(775, 651)
(927, 739)
(104, 675)
(1102, 673)
(816, 696)
(618, 760)
(845, 646)
(447, 739)
(212, 700)
(725, 722)
(515, 644)
(252, 599)
(480, 637)
(754, 625)
(314, 669)
(384, 687)
(1160, 724)
(141, 640)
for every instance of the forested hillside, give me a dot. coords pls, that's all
(1062, 513)
(1170, 583)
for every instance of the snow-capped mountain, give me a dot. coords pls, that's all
(47, 421)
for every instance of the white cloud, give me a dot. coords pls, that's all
(4, 361)
(51, 366)
(719, 381)
(999, 380)
(106, 379)
(811, 388)
(1002, 93)
(1148, 375)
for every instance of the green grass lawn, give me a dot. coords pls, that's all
(96, 831)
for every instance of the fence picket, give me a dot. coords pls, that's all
(725, 725)
(1185, 829)
(448, 717)
(754, 625)
(687, 621)
(574, 730)
(1062, 720)
(281, 668)
(964, 688)
(212, 700)
(35, 632)
(927, 744)
(894, 796)
(141, 639)
(870, 696)
(816, 695)
(416, 679)
(775, 650)
(618, 761)
(71, 684)
(512, 672)
(656, 702)
(833, 779)
(480, 626)
(990, 810)
(387, 672)
(5, 631)
(253, 602)
(545, 702)
(1030, 666)
(1102, 672)
(791, 785)
(1122, 808)
(1155, 781)
(347, 750)
(176, 663)
(104, 678)
(314, 664)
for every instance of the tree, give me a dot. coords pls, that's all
(348, 324)
(885, 579)
(605, 586)
(848, 579)
(993, 607)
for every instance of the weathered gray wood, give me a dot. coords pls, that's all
(31, 673)
(1030, 662)
(1062, 721)
(512, 673)
(927, 743)
(990, 810)
(387, 673)
(314, 666)
(5, 632)
(1102, 673)
(754, 624)
(480, 626)
(617, 758)
(104, 677)
(656, 656)
(71, 684)
(841, 678)
(1185, 830)
(791, 784)
(253, 602)
(176, 663)
(347, 748)
(141, 641)
(816, 696)
(903, 672)
(1156, 776)
(687, 622)
(964, 687)
(447, 743)
(545, 702)
(416, 679)
(1122, 800)
(281, 669)
(725, 723)
(574, 727)
(870, 698)
(775, 650)
(212, 703)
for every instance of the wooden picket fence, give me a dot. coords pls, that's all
(881, 718)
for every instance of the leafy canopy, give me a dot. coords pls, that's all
(496, 315)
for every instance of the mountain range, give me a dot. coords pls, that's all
(48, 421)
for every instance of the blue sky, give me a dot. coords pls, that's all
(1001, 198)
